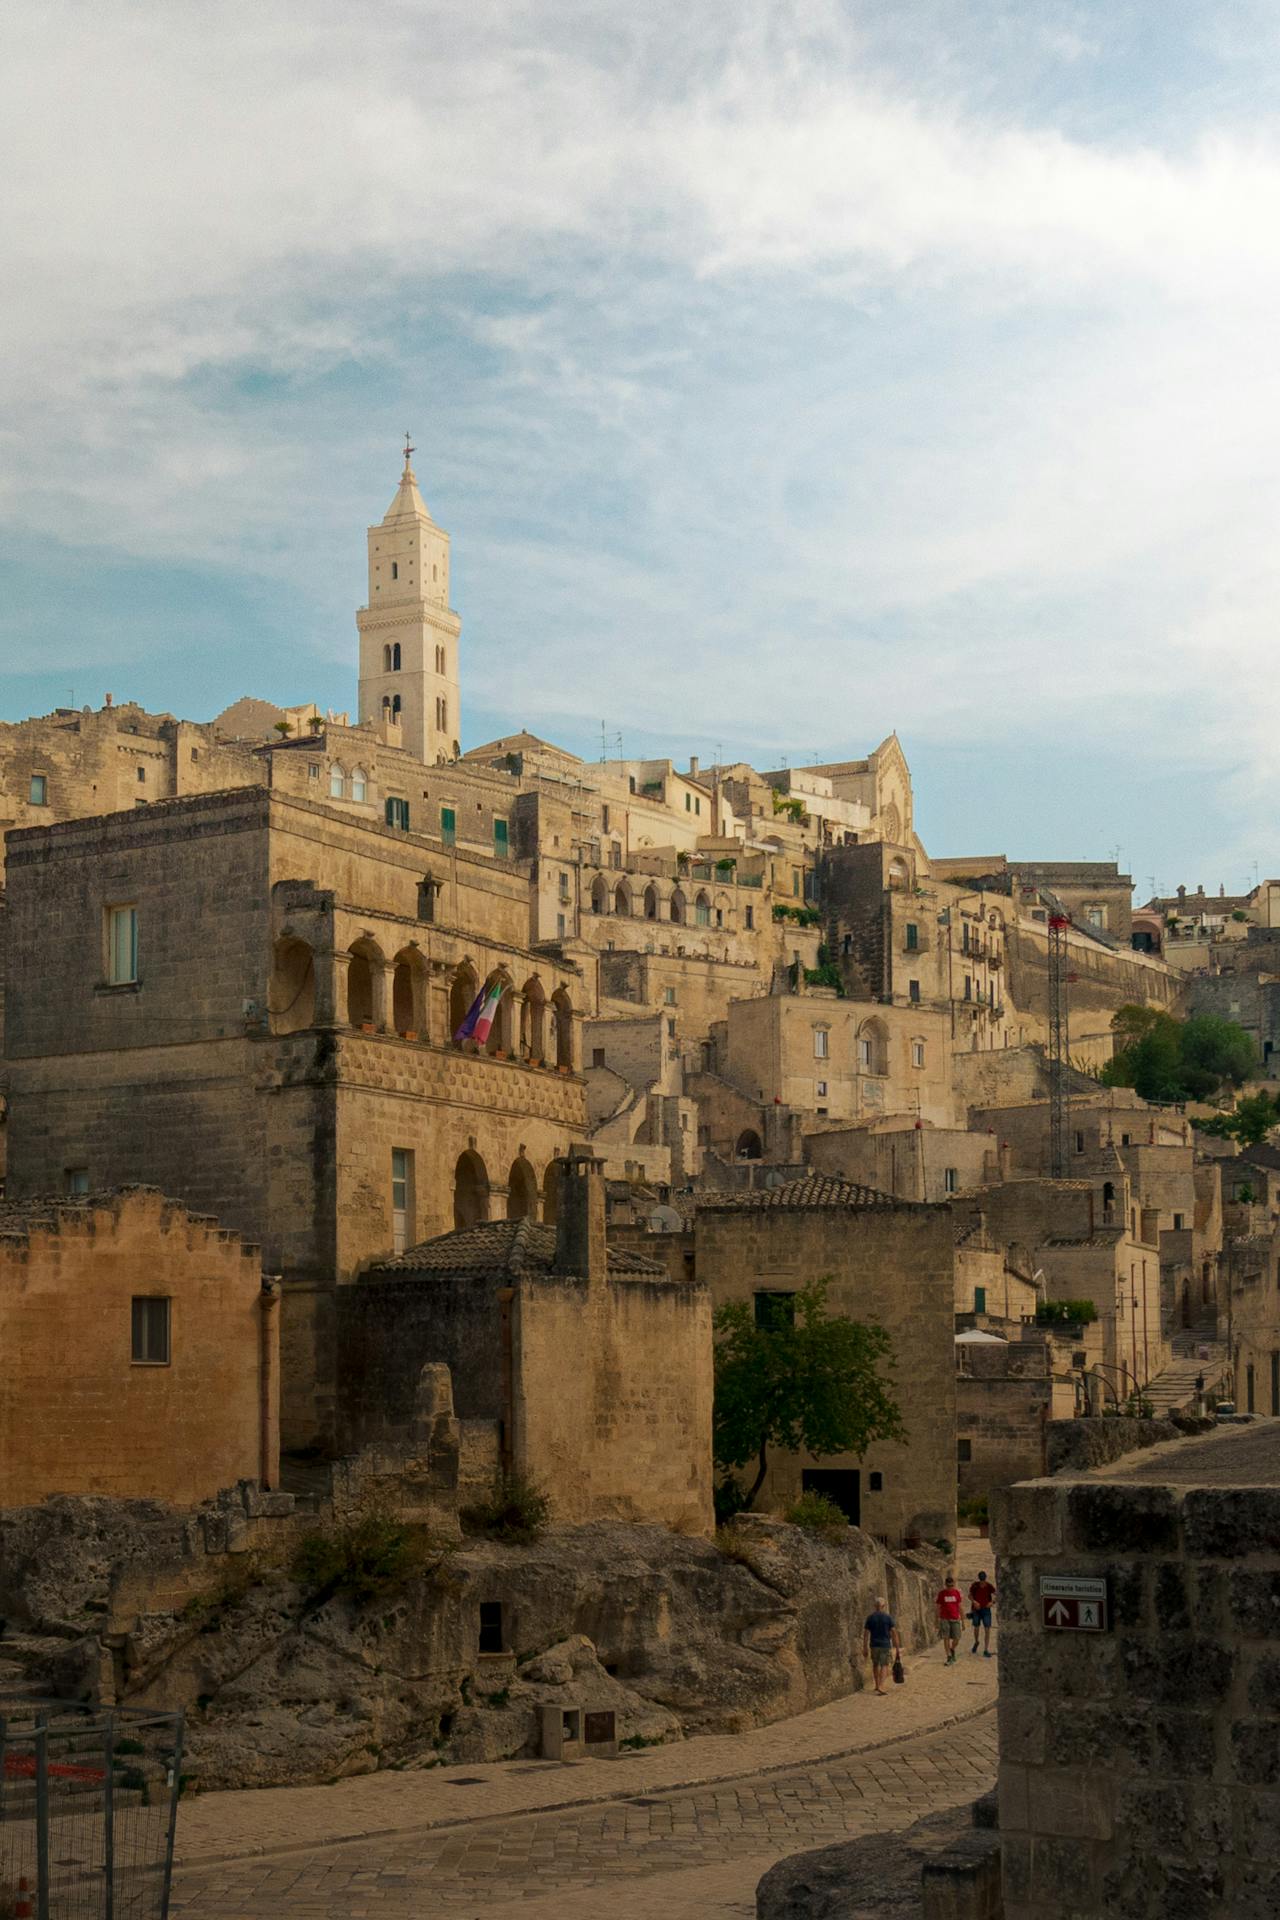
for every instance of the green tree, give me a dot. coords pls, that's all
(1164, 1058)
(1215, 1052)
(804, 1380)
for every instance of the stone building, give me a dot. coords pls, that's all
(905, 1157)
(249, 1000)
(141, 1352)
(583, 1367)
(887, 1261)
(1138, 1762)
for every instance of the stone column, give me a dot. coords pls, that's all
(269, 1383)
(382, 978)
(331, 987)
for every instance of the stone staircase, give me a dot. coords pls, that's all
(1175, 1388)
(26, 1660)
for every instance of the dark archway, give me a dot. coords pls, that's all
(291, 1000)
(470, 1190)
(522, 1191)
(750, 1146)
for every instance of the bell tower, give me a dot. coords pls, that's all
(408, 631)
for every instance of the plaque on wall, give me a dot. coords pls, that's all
(599, 1727)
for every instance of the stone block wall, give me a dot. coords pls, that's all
(1140, 1767)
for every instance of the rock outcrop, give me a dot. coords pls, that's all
(677, 1634)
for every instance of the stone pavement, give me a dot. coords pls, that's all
(683, 1831)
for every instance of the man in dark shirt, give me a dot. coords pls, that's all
(880, 1641)
(981, 1596)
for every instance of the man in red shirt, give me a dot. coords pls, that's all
(981, 1596)
(950, 1605)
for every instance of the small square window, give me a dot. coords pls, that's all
(950, 1180)
(669, 996)
(597, 1056)
(39, 790)
(150, 1331)
(77, 1179)
(964, 1451)
(821, 1089)
(313, 770)
(875, 1483)
(917, 1053)
(142, 773)
(913, 992)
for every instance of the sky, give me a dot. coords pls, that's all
(785, 374)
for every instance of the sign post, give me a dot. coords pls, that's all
(1073, 1603)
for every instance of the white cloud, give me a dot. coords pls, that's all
(763, 347)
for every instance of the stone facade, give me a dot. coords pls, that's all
(1140, 1766)
(888, 1262)
(141, 1352)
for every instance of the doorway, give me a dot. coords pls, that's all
(841, 1485)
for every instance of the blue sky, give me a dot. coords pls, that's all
(785, 374)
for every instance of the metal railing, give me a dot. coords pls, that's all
(88, 1805)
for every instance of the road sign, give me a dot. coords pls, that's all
(1073, 1603)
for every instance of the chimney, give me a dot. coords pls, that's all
(108, 699)
(580, 1232)
(1182, 896)
(693, 766)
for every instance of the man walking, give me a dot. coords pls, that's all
(950, 1605)
(880, 1640)
(981, 1598)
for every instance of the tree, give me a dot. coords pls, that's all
(803, 1380)
(1250, 1121)
(1163, 1058)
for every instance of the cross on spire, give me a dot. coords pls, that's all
(409, 449)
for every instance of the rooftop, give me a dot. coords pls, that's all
(1245, 1456)
(814, 1190)
(501, 1249)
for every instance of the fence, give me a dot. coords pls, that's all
(88, 1801)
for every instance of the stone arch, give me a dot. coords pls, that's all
(337, 781)
(622, 898)
(599, 894)
(463, 989)
(749, 1146)
(409, 992)
(679, 909)
(522, 1191)
(386, 663)
(533, 1020)
(899, 874)
(502, 1032)
(550, 1194)
(470, 1190)
(873, 1047)
(562, 1015)
(365, 956)
(651, 902)
(359, 784)
(702, 908)
(291, 997)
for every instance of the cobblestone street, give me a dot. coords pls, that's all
(681, 1832)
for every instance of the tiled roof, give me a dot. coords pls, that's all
(794, 1196)
(1102, 1237)
(501, 1249)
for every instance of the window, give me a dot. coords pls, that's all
(122, 945)
(775, 1309)
(560, 926)
(150, 1332)
(875, 1483)
(395, 709)
(564, 886)
(702, 911)
(964, 938)
(427, 889)
(688, 803)
(597, 1056)
(950, 1180)
(671, 1029)
(396, 812)
(1095, 916)
(913, 936)
(1124, 1139)
(968, 987)
(401, 1198)
(358, 784)
(964, 1452)
(1079, 1143)
(750, 919)
(337, 783)
(313, 770)
(1248, 1390)
(917, 1053)
(669, 996)
(821, 1044)
(442, 714)
(697, 806)
(77, 1179)
(490, 1626)
(979, 1299)
(39, 795)
(913, 992)
(501, 841)
(395, 569)
(448, 826)
(395, 658)
(142, 773)
(1177, 1222)
(820, 1089)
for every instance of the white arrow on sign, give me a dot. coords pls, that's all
(1058, 1613)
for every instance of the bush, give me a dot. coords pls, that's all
(516, 1510)
(975, 1512)
(364, 1558)
(1066, 1313)
(818, 1514)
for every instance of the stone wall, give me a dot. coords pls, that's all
(1140, 1766)
(892, 1265)
(78, 1413)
